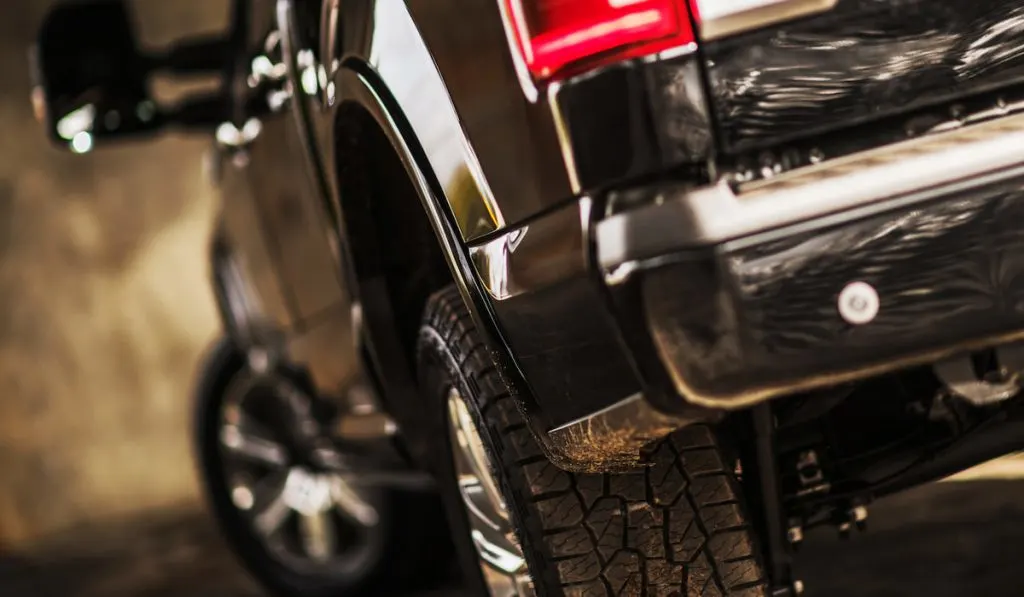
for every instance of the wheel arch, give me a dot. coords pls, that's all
(366, 115)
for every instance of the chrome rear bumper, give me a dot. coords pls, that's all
(740, 289)
(857, 186)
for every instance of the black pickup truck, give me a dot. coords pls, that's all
(584, 297)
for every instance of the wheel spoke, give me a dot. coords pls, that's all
(407, 480)
(351, 505)
(271, 509)
(501, 558)
(248, 440)
(319, 537)
(280, 465)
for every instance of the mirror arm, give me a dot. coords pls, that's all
(207, 112)
(197, 113)
(198, 55)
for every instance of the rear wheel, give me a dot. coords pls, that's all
(675, 528)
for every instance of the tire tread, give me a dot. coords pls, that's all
(676, 528)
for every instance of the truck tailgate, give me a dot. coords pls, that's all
(860, 61)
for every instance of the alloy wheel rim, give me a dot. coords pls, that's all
(307, 517)
(501, 557)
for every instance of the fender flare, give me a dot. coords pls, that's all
(358, 84)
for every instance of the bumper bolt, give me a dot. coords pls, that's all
(859, 303)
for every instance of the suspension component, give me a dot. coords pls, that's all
(984, 388)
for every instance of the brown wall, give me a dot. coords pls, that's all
(104, 306)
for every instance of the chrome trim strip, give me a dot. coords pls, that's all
(905, 173)
(518, 62)
(720, 19)
(507, 265)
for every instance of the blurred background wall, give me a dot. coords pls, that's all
(104, 306)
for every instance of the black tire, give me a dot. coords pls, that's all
(407, 520)
(675, 528)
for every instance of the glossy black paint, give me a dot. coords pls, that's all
(272, 226)
(501, 155)
(553, 316)
(859, 61)
(551, 309)
(761, 318)
(391, 314)
(629, 120)
(275, 227)
(515, 140)
(241, 234)
(318, 235)
(378, 62)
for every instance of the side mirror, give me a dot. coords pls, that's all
(92, 81)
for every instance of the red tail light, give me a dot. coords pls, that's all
(556, 36)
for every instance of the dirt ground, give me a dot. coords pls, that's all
(943, 540)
